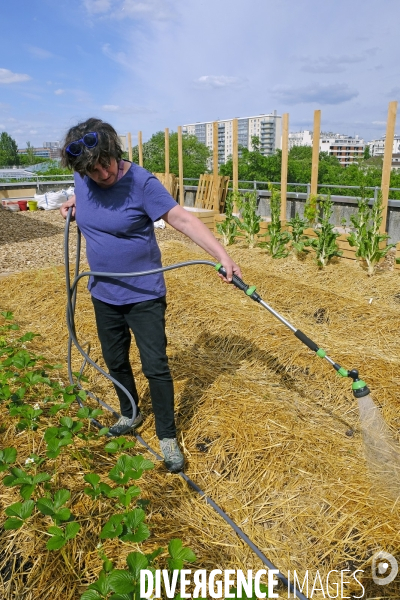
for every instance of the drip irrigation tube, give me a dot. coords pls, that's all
(359, 387)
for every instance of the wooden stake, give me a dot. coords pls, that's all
(140, 148)
(315, 153)
(235, 159)
(129, 146)
(180, 166)
(215, 165)
(387, 161)
(166, 152)
(284, 167)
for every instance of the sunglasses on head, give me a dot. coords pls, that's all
(89, 140)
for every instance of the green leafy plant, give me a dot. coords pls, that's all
(228, 228)
(56, 438)
(28, 415)
(98, 488)
(325, 245)
(178, 555)
(27, 482)
(118, 583)
(249, 225)
(128, 526)
(86, 412)
(60, 537)
(366, 237)
(278, 239)
(129, 467)
(54, 507)
(7, 457)
(20, 360)
(118, 444)
(18, 513)
(299, 241)
(311, 209)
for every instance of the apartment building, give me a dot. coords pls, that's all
(377, 147)
(44, 152)
(346, 148)
(267, 127)
(300, 138)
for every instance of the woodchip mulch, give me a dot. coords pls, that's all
(35, 240)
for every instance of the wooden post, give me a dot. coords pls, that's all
(387, 161)
(180, 166)
(215, 165)
(166, 153)
(235, 159)
(129, 146)
(284, 167)
(140, 148)
(315, 153)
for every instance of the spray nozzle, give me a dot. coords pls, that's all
(359, 386)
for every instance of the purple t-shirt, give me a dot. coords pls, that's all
(117, 224)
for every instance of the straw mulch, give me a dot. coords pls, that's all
(264, 424)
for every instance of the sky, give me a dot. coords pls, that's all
(144, 65)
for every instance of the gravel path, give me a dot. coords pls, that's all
(35, 240)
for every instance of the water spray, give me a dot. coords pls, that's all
(381, 450)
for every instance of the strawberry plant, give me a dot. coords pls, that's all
(129, 467)
(18, 513)
(59, 537)
(26, 482)
(54, 507)
(128, 526)
(7, 457)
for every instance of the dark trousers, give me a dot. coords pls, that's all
(147, 322)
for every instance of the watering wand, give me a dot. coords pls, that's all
(359, 387)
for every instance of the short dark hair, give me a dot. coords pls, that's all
(108, 146)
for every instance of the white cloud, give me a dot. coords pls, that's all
(115, 108)
(334, 93)
(40, 52)
(97, 6)
(334, 63)
(118, 57)
(378, 122)
(156, 10)
(218, 81)
(7, 76)
(150, 9)
(59, 92)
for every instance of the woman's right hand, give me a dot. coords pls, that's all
(66, 206)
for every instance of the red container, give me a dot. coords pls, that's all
(23, 204)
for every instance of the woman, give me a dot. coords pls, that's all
(115, 205)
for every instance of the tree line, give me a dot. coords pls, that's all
(9, 156)
(253, 165)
